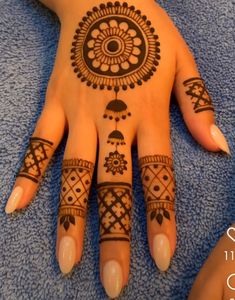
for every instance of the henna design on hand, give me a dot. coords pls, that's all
(116, 110)
(115, 163)
(158, 185)
(115, 201)
(116, 138)
(76, 182)
(200, 97)
(115, 46)
(35, 159)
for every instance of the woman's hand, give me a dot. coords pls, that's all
(216, 279)
(116, 66)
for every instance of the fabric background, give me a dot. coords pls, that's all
(205, 203)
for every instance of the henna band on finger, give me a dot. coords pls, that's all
(196, 89)
(158, 185)
(36, 158)
(76, 182)
(115, 201)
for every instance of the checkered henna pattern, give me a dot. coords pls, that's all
(158, 185)
(36, 158)
(76, 182)
(115, 201)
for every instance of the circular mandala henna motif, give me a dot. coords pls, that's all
(115, 46)
(115, 163)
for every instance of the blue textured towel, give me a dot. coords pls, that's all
(205, 203)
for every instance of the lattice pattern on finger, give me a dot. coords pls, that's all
(196, 89)
(76, 182)
(158, 185)
(35, 159)
(115, 201)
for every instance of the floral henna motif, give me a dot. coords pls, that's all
(36, 158)
(115, 201)
(159, 186)
(199, 95)
(115, 46)
(76, 182)
(115, 163)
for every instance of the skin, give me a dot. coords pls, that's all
(211, 281)
(78, 109)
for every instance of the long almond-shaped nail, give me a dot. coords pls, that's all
(14, 200)
(112, 278)
(67, 254)
(219, 138)
(161, 251)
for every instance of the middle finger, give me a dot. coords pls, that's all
(115, 195)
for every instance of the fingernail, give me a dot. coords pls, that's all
(219, 139)
(161, 251)
(14, 200)
(112, 278)
(67, 254)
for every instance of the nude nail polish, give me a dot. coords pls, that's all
(161, 251)
(112, 278)
(67, 254)
(14, 200)
(219, 139)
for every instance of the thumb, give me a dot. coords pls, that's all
(196, 104)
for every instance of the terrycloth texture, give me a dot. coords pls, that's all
(205, 203)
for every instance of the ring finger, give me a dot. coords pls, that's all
(77, 171)
(159, 190)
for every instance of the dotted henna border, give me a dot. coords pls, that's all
(77, 162)
(151, 159)
(72, 211)
(161, 205)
